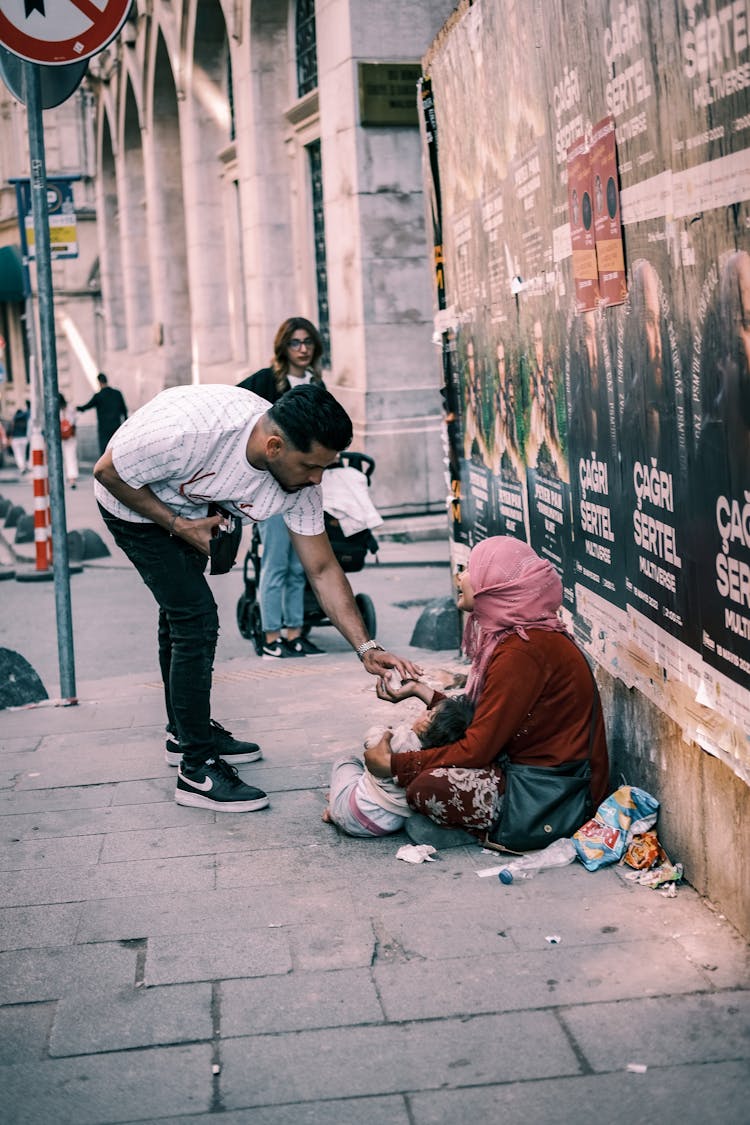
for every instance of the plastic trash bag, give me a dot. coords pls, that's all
(629, 811)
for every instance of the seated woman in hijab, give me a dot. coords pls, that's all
(533, 692)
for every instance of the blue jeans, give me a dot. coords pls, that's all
(188, 627)
(281, 591)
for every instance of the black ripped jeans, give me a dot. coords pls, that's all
(188, 627)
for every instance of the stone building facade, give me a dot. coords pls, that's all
(239, 183)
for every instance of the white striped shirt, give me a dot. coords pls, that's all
(189, 445)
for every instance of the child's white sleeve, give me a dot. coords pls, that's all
(373, 737)
(404, 739)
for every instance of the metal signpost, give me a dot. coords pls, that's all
(53, 33)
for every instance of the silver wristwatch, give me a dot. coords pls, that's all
(367, 646)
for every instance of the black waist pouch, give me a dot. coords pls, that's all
(225, 542)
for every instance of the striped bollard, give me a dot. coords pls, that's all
(42, 523)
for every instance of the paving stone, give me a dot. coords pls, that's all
(361, 1061)
(372, 1111)
(78, 851)
(673, 1030)
(290, 816)
(201, 833)
(720, 952)
(204, 913)
(152, 790)
(24, 1032)
(691, 1095)
(278, 779)
(72, 727)
(55, 772)
(101, 881)
(518, 980)
(20, 743)
(299, 1001)
(220, 955)
(93, 821)
(28, 975)
(104, 1089)
(261, 867)
(349, 944)
(54, 800)
(30, 927)
(487, 910)
(110, 1020)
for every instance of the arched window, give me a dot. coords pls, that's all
(307, 50)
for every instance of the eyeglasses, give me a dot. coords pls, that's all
(308, 342)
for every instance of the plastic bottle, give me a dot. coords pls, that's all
(559, 854)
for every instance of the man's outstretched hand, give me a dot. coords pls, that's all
(377, 662)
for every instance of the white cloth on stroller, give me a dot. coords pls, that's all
(345, 497)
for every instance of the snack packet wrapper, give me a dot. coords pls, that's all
(627, 812)
(644, 851)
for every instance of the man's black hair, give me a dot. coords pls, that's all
(310, 413)
(449, 722)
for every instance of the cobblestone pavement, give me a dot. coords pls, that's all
(166, 964)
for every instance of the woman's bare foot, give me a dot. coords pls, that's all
(326, 817)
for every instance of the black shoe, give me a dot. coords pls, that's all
(216, 785)
(231, 749)
(279, 650)
(304, 647)
(421, 830)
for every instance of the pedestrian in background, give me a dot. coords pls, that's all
(110, 409)
(19, 437)
(186, 449)
(68, 440)
(297, 352)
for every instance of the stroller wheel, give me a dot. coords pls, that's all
(256, 629)
(367, 609)
(244, 608)
(248, 622)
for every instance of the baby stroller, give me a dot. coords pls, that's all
(350, 550)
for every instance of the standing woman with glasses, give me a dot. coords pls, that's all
(297, 352)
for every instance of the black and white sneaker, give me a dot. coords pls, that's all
(303, 646)
(230, 749)
(216, 785)
(279, 650)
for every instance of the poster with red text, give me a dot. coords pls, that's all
(581, 213)
(610, 256)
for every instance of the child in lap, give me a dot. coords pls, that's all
(361, 804)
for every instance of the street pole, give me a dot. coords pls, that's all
(32, 81)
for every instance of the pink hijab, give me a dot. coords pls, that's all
(514, 590)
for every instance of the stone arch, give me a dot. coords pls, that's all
(111, 239)
(134, 224)
(166, 220)
(268, 206)
(205, 117)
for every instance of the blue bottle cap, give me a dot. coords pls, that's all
(505, 876)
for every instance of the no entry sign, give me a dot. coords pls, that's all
(57, 32)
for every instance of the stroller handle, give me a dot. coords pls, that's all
(361, 461)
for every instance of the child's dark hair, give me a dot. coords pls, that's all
(450, 719)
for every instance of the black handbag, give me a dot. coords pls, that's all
(542, 804)
(225, 543)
